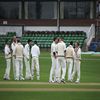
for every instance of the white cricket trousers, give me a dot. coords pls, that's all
(28, 71)
(7, 70)
(53, 71)
(70, 66)
(19, 68)
(14, 66)
(35, 65)
(76, 70)
(61, 68)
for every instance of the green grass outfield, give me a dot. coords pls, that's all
(88, 89)
(50, 95)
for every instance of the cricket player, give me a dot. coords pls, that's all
(27, 59)
(69, 57)
(18, 54)
(8, 62)
(77, 62)
(13, 45)
(61, 54)
(35, 51)
(52, 77)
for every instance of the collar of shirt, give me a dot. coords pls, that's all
(70, 46)
(35, 45)
(19, 43)
(14, 43)
(27, 45)
(54, 42)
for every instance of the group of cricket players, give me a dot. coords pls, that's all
(63, 59)
(18, 52)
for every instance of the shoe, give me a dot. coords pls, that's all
(57, 81)
(16, 79)
(22, 78)
(51, 81)
(6, 79)
(77, 82)
(28, 78)
(63, 81)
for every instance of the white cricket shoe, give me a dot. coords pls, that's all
(22, 78)
(77, 82)
(51, 81)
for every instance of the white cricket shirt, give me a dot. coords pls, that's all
(35, 51)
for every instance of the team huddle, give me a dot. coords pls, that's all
(62, 59)
(19, 52)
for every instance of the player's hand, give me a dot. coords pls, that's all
(55, 57)
(65, 57)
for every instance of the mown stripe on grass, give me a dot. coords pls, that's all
(49, 89)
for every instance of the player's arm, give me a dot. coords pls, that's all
(31, 51)
(38, 50)
(65, 53)
(54, 54)
(14, 52)
(6, 51)
(79, 53)
(64, 50)
(53, 48)
(56, 51)
(26, 52)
